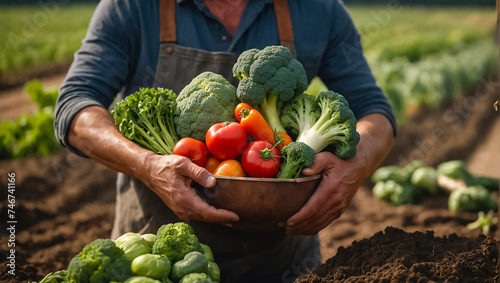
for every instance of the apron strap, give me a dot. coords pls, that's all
(167, 21)
(284, 21)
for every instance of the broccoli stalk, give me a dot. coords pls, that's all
(335, 124)
(146, 117)
(269, 77)
(297, 155)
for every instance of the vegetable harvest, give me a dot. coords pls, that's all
(268, 101)
(177, 256)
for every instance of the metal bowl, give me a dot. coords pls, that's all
(261, 203)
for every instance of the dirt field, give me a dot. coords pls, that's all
(65, 202)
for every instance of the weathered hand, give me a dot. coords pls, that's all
(341, 179)
(170, 177)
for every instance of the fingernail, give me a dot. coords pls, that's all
(227, 224)
(210, 180)
(291, 223)
(281, 224)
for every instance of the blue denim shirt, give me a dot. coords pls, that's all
(120, 51)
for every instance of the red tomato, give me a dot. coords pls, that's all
(226, 140)
(230, 168)
(261, 160)
(192, 148)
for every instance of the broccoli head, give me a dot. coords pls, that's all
(335, 124)
(269, 77)
(175, 240)
(101, 261)
(207, 100)
(297, 155)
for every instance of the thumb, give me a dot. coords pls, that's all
(200, 175)
(322, 161)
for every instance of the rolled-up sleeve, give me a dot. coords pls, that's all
(345, 70)
(99, 69)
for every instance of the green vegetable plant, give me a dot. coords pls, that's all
(101, 261)
(426, 178)
(394, 184)
(152, 266)
(175, 240)
(193, 262)
(269, 77)
(133, 245)
(472, 199)
(207, 252)
(142, 279)
(146, 117)
(296, 156)
(196, 278)
(326, 120)
(56, 277)
(454, 174)
(208, 99)
(485, 222)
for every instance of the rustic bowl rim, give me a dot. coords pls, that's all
(269, 180)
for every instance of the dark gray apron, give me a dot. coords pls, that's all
(242, 256)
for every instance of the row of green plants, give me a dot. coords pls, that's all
(31, 134)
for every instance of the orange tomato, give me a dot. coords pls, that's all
(230, 168)
(212, 164)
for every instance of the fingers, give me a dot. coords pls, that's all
(199, 174)
(322, 161)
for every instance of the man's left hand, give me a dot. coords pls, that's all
(341, 179)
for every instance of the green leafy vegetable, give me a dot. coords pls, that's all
(101, 261)
(322, 121)
(472, 199)
(133, 245)
(269, 77)
(208, 99)
(175, 240)
(141, 279)
(152, 266)
(146, 117)
(426, 178)
(296, 156)
(193, 262)
(196, 278)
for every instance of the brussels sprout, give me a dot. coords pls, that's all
(141, 279)
(152, 266)
(149, 238)
(133, 245)
(207, 252)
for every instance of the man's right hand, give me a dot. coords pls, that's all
(170, 177)
(94, 132)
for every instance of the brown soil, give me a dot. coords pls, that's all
(64, 202)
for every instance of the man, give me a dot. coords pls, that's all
(166, 43)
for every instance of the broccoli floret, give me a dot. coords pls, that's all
(208, 99)
(335, 125)
(175, 240)
(269, 77)
(300, 114)
(101, 261)
(297, 155)
(146, 117)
